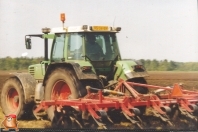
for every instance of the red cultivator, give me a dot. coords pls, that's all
(107, 107)
(172, 102)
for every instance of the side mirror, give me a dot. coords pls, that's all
(28, 43)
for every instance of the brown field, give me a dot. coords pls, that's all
(189, 80)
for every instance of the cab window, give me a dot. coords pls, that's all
(75, 46)
(101, 46)
(58, 49)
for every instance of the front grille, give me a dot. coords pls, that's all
(31, 71)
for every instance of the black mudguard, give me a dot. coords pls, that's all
(75, 66)
(83, 75)
(28, 83)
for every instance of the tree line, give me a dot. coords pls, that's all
(165, 65)
(18, 63)
(22, 63)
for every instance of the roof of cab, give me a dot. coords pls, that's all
(83, 28)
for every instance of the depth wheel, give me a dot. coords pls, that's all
(12, 98)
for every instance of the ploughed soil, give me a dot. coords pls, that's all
(188, 79)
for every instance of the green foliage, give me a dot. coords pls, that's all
(22, 63)
(165, 65)
(19, 63)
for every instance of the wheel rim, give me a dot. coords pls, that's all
(60, 90)
(13, 98)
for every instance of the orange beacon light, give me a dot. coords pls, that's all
(62, 17)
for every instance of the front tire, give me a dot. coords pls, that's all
(62, 84)
(12, 98)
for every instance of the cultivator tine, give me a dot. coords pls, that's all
(132, 120)
(187, 114)
(77, 122)
(131, 115)
(66, 118)
(140, 120)
(105, 118)
(109, 119)
(99, 123)
(163, 117)
(101, 118)
(38, 113)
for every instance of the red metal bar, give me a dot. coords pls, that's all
(149, 86)
(100, 96)
(184, 104)
(126, 110)
(133, 92)
(151, 100)
(160, 87)
(96, 101)
(92, 112)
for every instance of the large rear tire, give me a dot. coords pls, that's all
(12, 98)
(62, 84)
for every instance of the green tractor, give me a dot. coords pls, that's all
(80, 56)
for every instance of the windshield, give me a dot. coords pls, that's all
(101, 46)
(97, 46)
(90, 45)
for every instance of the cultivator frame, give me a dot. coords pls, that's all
(98, 105)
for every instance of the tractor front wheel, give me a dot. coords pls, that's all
(12, 98)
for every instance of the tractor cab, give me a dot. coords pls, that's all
(95, 44)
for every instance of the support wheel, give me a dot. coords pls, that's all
(12, 98)
(62, 84)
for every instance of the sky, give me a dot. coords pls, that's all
(151, 29)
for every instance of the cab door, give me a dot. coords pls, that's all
(58, 48)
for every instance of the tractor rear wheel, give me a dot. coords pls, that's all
(61, 84)
(12, 98)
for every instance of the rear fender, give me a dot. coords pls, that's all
(126, 70)
(28, 83)
(75, 66)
